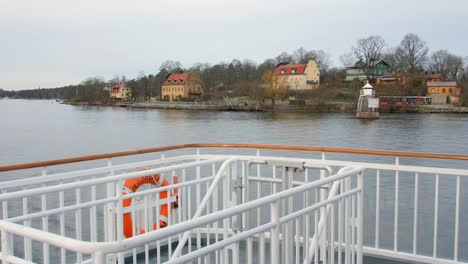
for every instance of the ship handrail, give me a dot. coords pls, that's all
(99, 249)
(46, 163)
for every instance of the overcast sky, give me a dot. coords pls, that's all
(50, 43)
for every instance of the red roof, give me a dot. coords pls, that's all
(177, 78)
(117, 88)
(288, 69)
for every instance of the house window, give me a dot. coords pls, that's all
(293, 71)
(283, 71)
(444, 90)
(433, 90)
(450, 90)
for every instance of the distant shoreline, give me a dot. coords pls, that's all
(322, 108)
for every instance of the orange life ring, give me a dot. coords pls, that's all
(132, 185)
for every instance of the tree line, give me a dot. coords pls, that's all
(245, 77)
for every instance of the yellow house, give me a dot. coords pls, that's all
(120, 91)
(447, 88)
(298, 76)
(182, 85)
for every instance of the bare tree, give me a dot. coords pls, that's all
(447, 64)
(439, 62)
(347, 59)
(456, 64)
(321, 58)
(300, 55)
(170, 65)
(284, 57)
(277, 87)
(412, 54)
(369, 52)
(390, 57)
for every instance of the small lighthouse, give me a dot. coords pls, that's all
(368, 105)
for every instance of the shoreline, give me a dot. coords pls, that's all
(322, 108)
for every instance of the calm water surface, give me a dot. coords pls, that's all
(37, 130)
(34, 130)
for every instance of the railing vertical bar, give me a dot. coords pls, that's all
(323, 215)
(261, 242)
(353, 228)
(249, 250)
(208, 237)
(360, 217)
(275, 246)
(326, 233)
(215, 209)
(119, 231)
(109, 209)
(147, 223)
(4, 207)
(179, 207)
(332, 234)
(377, 209)
(169, 211)
(347, 224)
(225, 252)
(6, 247)
(132, 212)
(307, 219)
(457, 219)
(158, 226)
(45, 221)
(78, 224)
(297, 240)
(395, 226)
(93, 216)
(340, 226)
(183, 203)
(198, 198)
(27, 223)
(415, 214)
(316, 219)
(62, 224)
(436, 215)
(289, 240)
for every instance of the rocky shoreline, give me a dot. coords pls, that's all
(317, 108)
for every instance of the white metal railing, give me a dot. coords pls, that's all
(74, 216)
(279, 218)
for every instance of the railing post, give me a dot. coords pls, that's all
(360, 216)
(5, 246)
(99, 258)
(274, 245)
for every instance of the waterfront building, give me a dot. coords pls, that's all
(392, 79)
(444, 87)
(182, 85)
(357, 71)
(298, 76)
(432, 77)
(120, 91)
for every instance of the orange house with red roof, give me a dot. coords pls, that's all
(120, 91)
(298, 76)
(182, 85)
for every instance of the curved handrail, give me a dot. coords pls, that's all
(233, 145)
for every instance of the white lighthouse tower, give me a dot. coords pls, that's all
(368, 105)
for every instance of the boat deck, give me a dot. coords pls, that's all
(236, 203)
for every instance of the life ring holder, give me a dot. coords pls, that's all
(132, 186)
